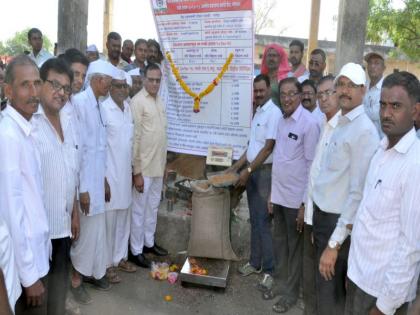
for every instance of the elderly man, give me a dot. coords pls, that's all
(140, 54)
(385, 248)
(149, 160)
(317, 65)
(21, 204)
(309, 101)
(275, 65)
(297, 136)
(337, 189)
(38, 54)
(296, 48)
(119, 131)
(255, 174)
(375, 70)
(127, 50)
(58, 146)
(89, 253)
(328, 104)
(113, 45)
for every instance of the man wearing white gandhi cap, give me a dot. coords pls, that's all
(89, 253)
(119, 126)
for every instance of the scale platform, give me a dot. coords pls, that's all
(218, 271)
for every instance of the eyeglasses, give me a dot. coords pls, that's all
(326, 94)
(120, 85)
(350, 85)
(290, 94)
(57, 87)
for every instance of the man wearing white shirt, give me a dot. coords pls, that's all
(310, 103)
(58, 146)
(296, 50)
(337, 190)
(375, 70)
(255, 174)
(21, 204)
(8, 271)
(385, 248)
(38, 54)
(328, 104)
(89, 253)
(119, 130)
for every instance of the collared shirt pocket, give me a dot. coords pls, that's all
(337, 156)
(260, 131)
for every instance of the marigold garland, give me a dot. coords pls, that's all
(197, 97)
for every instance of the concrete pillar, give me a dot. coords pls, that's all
(351, 31)
(72, 25)
(108, 17)
(313, 28)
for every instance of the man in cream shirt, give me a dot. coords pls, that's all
(149, 160)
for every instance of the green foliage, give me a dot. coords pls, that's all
(19, 43)
(400, 25)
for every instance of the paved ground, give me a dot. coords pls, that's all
(140, 294)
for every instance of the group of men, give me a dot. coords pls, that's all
(82, 159)
(332, 182)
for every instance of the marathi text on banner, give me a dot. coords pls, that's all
(200, 35)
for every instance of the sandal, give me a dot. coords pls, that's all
(283, 305)
(126, 266)
(269, 295)
(112, 276)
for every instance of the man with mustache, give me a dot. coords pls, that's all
(385, 248)
(113, 45)
(58, 145)
(297, 136)
(310, 103)
(328, 103)
(337, 190)
(254, 168)
(317, 64)
(375, 70)
(296, 48)
(21, 204)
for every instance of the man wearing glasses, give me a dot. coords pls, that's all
(149, 160)
(58, 146)
(337, 189)
(297, 136)
(328, 103)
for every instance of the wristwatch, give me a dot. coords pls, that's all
(334, 245)
(249, 169)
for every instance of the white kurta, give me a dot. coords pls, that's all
(119, 131)
(21, 205)
(89, 253)
(93, 142)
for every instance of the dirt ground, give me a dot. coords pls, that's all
(139, 294)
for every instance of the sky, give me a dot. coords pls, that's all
(133, 19)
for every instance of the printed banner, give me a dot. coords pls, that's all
(200, 35)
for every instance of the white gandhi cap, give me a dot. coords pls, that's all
(353, 72)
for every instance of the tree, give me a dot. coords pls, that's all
(262, 15)
(400, 25)
(19, 43)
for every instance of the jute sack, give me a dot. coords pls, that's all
(210, 236)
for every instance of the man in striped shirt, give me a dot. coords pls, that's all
(58, 145)
(385, 247)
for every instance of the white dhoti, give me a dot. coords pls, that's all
(144, 214)
(117, 234)
(89, 254)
